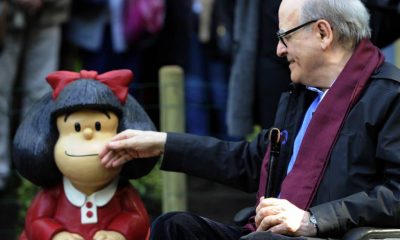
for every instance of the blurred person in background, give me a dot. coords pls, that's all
(207, 73)
(99, 39)
(385, 16)
(95, 29)
(30, 51)
(3, 13)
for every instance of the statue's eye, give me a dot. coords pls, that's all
(77, 127)
(97, 126)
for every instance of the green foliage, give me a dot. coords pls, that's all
(150, 190)
(256, 130)
(25, 193)
(150, 185)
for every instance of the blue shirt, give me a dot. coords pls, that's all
(306, 121)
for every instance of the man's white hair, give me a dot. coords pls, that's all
(349, 19)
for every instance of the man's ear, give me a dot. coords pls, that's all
(325, 33)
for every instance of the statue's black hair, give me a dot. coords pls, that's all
(33, 146)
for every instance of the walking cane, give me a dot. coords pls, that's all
(275, 144)
(275, 140)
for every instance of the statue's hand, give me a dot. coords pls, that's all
(67, 236)
(108, 235)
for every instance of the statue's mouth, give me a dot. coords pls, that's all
(84, 155)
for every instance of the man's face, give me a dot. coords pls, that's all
(301, 49)
(82, 135)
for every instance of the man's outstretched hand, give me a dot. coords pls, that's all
(131, 144)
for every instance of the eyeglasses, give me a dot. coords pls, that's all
(282, 35)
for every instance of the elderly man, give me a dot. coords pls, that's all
(339, 165)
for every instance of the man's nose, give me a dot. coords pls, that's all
(281, 49)
(88, 133)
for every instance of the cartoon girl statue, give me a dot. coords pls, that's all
(57, 147)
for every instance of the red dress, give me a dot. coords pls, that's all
(51, 212)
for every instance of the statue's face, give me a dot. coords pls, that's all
(82, 135)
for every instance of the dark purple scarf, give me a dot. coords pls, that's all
(301, 184)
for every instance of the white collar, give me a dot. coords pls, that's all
(100, 198)
(319, 91)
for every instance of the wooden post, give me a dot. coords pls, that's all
(172, 119)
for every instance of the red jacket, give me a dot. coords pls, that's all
(51, 213)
